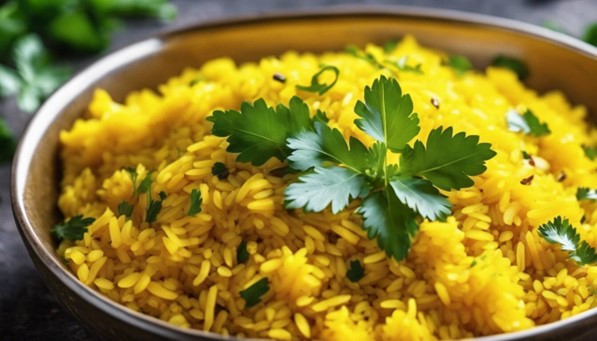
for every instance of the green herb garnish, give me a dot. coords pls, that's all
(561, 232)
(7, 142)
(125, 209)
(526, 123)
(242, 254)
(153, 206)
(585, 193)
(73, 229)
(355, 271)
(515, 65)
(590, 152)
(219, 169)
(196, 201)
(252, 295)
(316, 86)
(459, 63)
(401, 64)
(336, 171)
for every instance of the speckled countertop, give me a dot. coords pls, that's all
(28, 311)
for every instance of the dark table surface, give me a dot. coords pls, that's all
(28, 311)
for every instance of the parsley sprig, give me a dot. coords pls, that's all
(72, 229)
(334, 172)
(559, 231)
(252, 295)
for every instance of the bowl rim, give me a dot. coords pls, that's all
(83, 79)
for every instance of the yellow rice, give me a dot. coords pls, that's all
(483, 271)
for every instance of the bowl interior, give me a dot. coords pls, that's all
(563, 63)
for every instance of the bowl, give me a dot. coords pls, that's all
(555, 61)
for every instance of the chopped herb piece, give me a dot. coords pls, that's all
(515, 65)
(196, 81)
(125, 209)
(259, 132)
(219, 169)
(526, 123)
(552, 25)
(145, 185)
(316, 86)
(435, 102)
(459, 63)
(278, 77)
(387, 115)
(73, 229)
(242, 255)
(529, 158)
(355, 271)
(527, 181)
(585, 193)
(401, 65)
(390, 46)
(473, 263)
(154, 208)
(7, 142)
(365, 56)
(590, 152)
(561, 232)
(252, 295)
(196, 201)
(590, 35)
(447, 161)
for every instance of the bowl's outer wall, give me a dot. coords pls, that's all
(36, 172)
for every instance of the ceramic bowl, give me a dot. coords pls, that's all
(555, 61)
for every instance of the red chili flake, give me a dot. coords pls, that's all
(562, 176)
(435, 102)
(279, 77)
(527, 181)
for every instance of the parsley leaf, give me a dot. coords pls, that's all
(390, 221)
(316, 86)
(362, 55)
(252, 295)
(387, 115)
(259, 132)
(459, 63)
(196, 201)
(311, 149)
(132, 172)
(73, 229)
(421, 196)
(154, 207)
(324, 186)
(590, 152)
(219, 169)
(585, 193)
(561, 232)
(527, 123)
(515, 65)
(145, 185)
(125, 209)
(7, 142)
(242, 255)
(447, 161)
(355, 271)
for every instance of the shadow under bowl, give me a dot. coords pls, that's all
(555, 62)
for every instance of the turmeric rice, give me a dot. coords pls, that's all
(482, 271)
